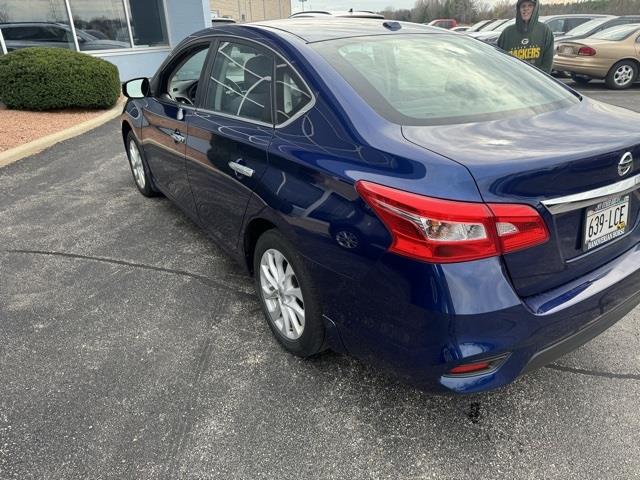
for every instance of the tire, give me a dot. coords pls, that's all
(302, 335)
(622, 75)
(580, 79)
(139, 168)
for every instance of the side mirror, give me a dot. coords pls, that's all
(136, 88)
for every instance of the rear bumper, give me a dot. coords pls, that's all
(592, 67)
(420, 320)
(587, 333)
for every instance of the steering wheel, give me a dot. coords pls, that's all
(232, 88)
(192, 91)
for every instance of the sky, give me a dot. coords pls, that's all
(374, 5)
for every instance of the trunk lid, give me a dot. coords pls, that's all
(538, 159)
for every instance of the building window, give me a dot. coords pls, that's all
(38, 23)
(148, 23)
(98, 25)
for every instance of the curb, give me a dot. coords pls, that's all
(18, 153)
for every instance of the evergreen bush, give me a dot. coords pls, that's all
(53, 78)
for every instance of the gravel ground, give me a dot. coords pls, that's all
(132, 348)
(19, 127)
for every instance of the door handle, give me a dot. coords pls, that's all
(178, 137)
(240, 169)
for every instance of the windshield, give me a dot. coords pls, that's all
(476, 26)
(440, 79)
(496, 26)
(488, 26)
(586, 27)
(617, 33)
(505, 25)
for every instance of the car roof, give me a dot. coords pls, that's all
(321, 29)
(325, 13)
(575, 15)
(23, 24)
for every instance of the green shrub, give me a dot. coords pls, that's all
(48, 78)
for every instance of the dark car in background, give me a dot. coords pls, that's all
(559, 24)
(596, 25)
(59, 35)
(409, 216)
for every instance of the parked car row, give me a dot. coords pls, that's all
(560, 25)
(610, 54)
(588, 46)
(605, 48)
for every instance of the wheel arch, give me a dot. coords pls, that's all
(126, 128)
(633, 60)
(254, 229)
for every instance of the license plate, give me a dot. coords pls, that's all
(567, 50)
(605, 221)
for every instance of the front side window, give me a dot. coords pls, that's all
(36, 23)
(557, 25)
(100, 25)
(182, 83)
(291, 93)
(440, 79)
(240, 82)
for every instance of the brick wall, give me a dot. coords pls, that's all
(253, 10)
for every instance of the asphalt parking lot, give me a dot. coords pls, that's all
(131, 347)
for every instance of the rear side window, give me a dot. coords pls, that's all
(241, 81)
(571, 23)
(616, 34)
(291, 93)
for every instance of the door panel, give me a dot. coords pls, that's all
(228, 138)
(221, 193)
(164, 154)
(165, 132)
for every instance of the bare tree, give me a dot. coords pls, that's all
(4, 16)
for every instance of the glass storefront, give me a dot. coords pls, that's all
(148, 24)
(31, 23)
(98, 25)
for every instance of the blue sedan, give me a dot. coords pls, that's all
(402, 193)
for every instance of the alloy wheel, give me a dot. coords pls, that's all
(281, 293)
(623, 75)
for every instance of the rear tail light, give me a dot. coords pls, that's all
(445, 231)
(586, 51)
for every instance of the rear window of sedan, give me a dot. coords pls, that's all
(440, 78)
(616, 34)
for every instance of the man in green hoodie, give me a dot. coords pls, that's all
(529, 39)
